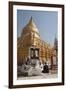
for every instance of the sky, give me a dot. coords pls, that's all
(46, 22)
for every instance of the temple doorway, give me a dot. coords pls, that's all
(34, 53)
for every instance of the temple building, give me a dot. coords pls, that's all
(30, 45)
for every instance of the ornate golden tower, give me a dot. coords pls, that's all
(30, 44)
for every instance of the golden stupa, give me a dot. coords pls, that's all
(29, 42)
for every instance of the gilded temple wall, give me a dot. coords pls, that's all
(45, 51)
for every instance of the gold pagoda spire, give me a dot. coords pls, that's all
(31, 23)
(31, 26)
(31, 20)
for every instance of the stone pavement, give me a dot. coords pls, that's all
(43, 76)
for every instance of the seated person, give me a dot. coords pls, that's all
(45, 68)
